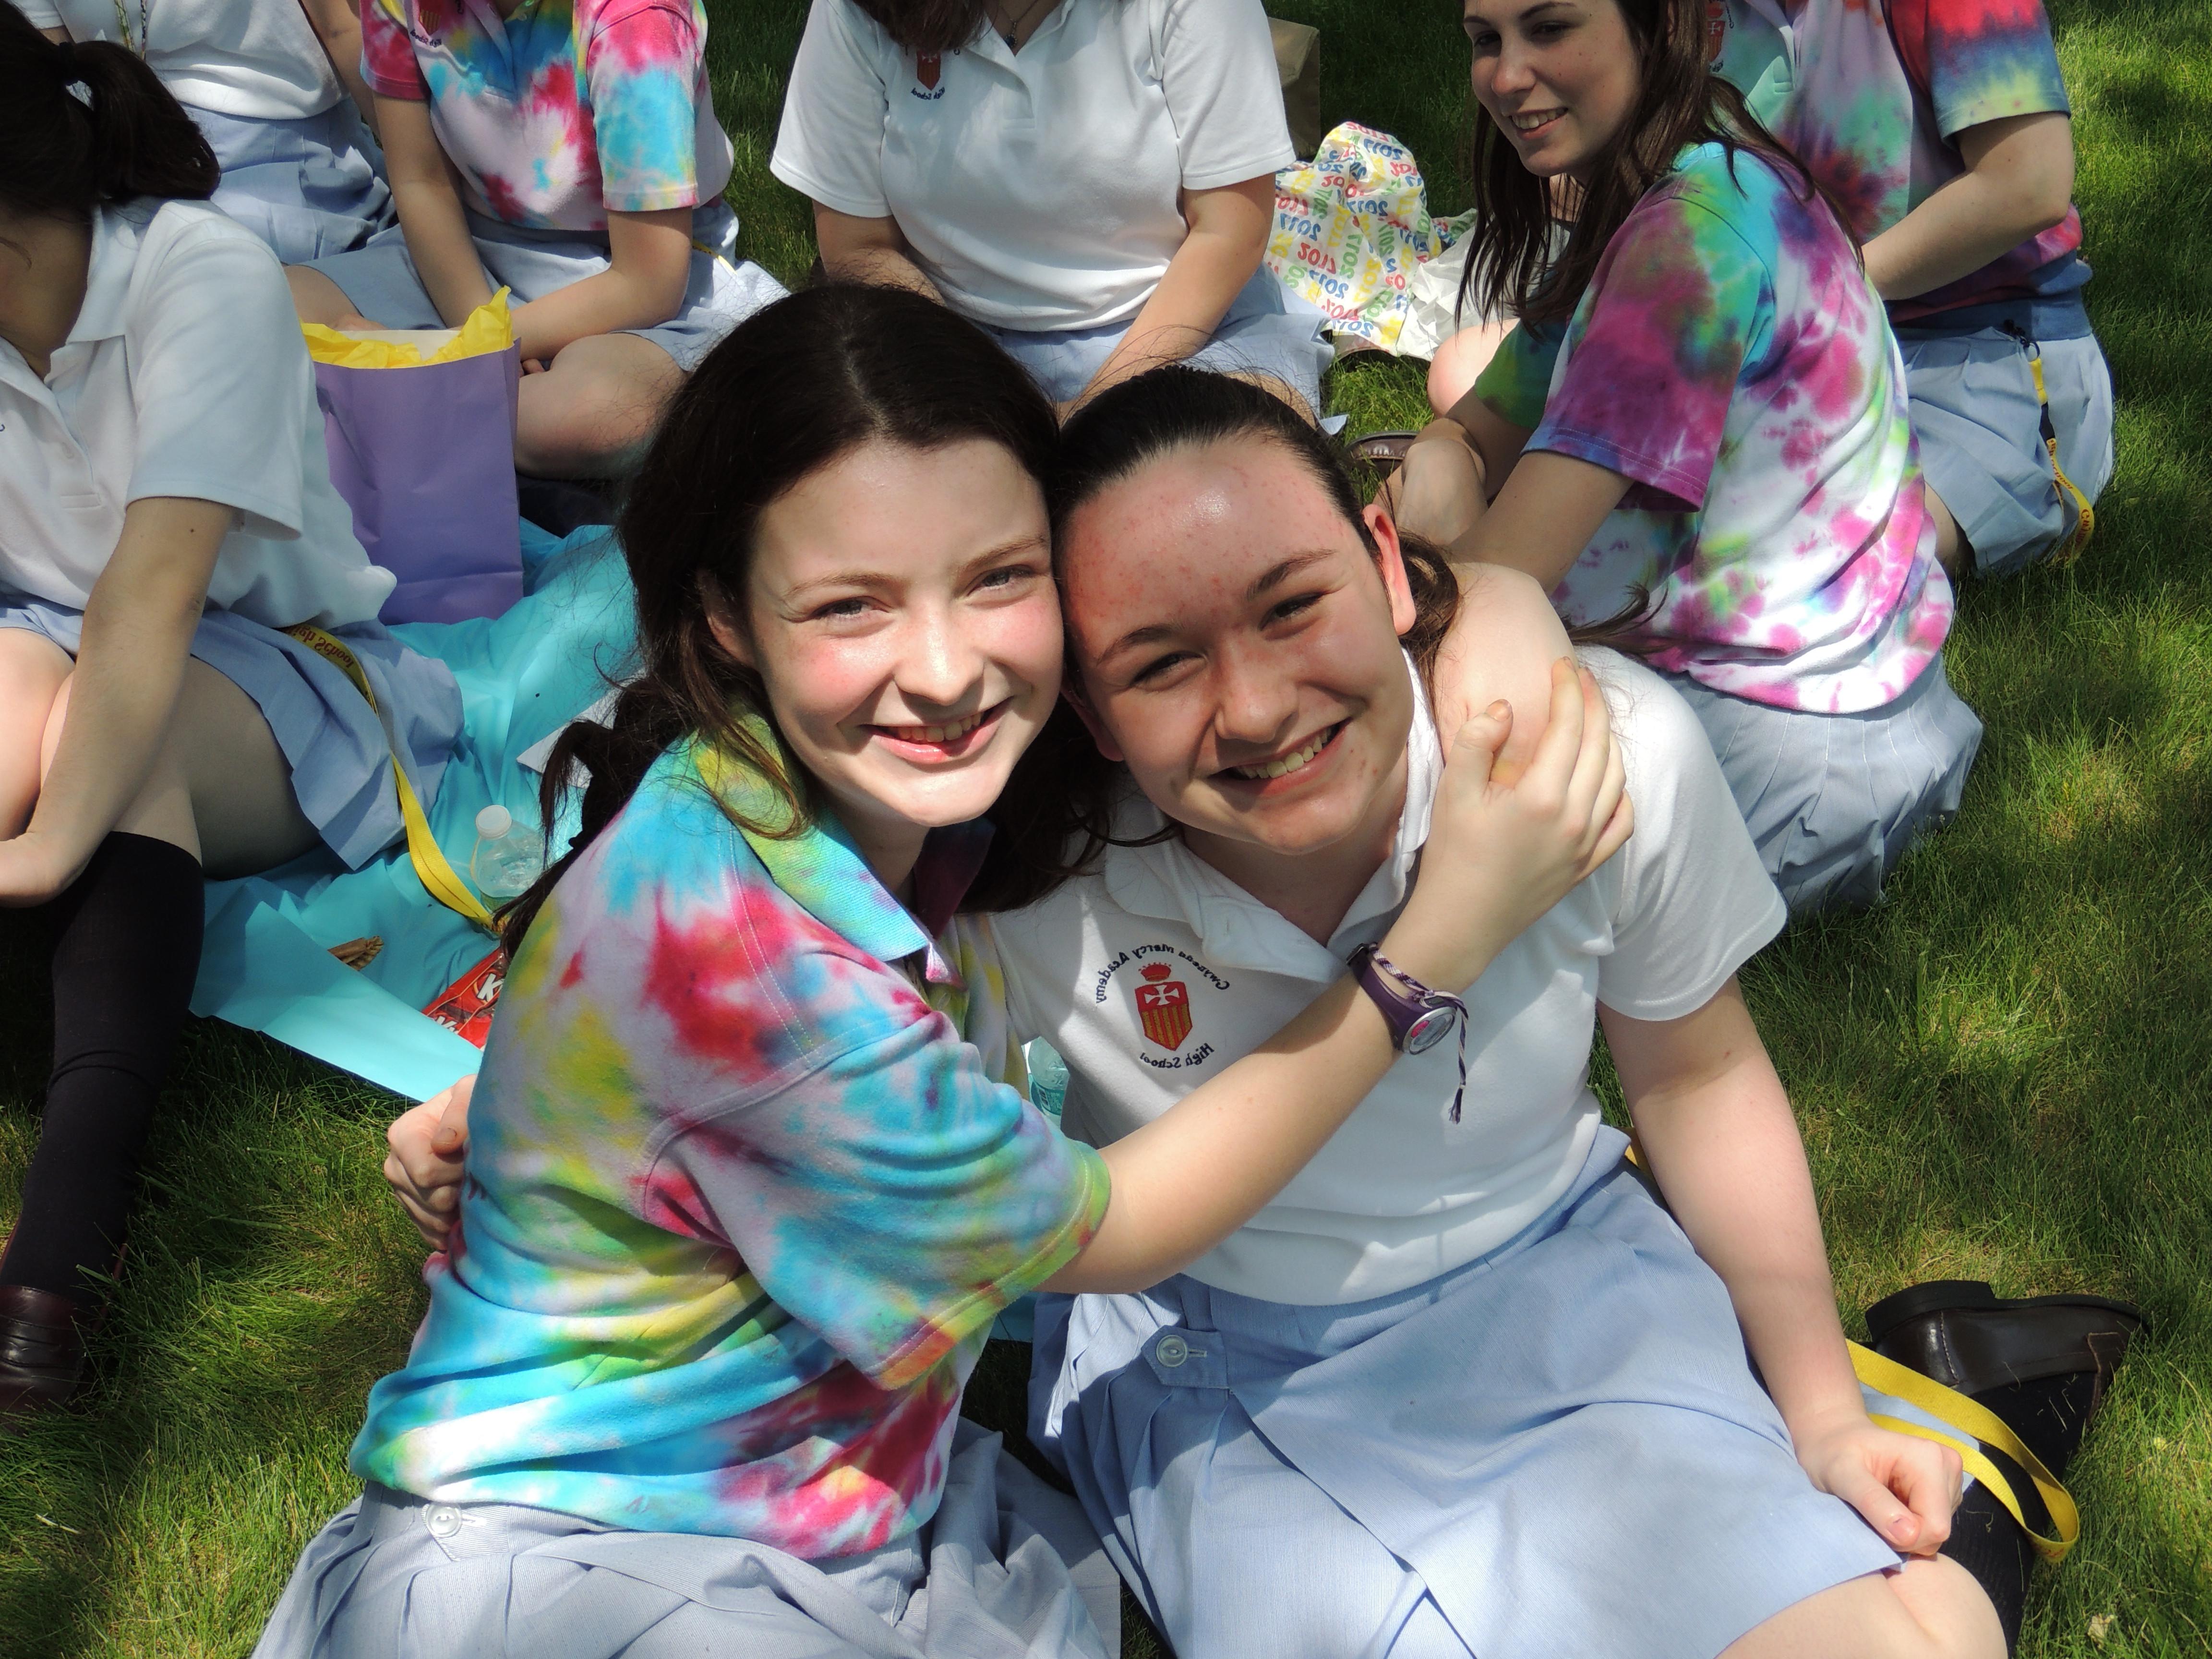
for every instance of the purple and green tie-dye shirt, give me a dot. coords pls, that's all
(750, 1173)
(1872, 94)
(1731, 361)
(562, 109)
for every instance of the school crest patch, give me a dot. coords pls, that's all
(1163, 1005)
(928, 68)
(1715, 31)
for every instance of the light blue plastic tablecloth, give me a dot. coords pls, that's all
(266, 963)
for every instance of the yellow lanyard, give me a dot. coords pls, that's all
(437, 876)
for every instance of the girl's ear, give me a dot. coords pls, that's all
(1071, 689)
(1404, 613)
(722, 622)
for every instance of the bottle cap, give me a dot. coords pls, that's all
(494, 822)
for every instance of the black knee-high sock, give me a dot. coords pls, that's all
(126, 948)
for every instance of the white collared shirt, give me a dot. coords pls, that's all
(258, 58)
(1152, 974)
(185, 374)
(1038, 189)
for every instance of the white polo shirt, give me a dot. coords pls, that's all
(185, 375)
(258, 58)
(1157, 971)
(1037, 189)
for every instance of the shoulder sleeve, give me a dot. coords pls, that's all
(830, 144)
(1979, 60)
(642, 65)
(1517, 380)
(387, 55)
(1654, 350)
(39, 14)
(1223, 91)
(1696, 903)
(220, 380)
(895, 1199)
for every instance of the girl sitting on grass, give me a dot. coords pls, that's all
(566, 150)
(1091, 181)
(752, 1171)
(166, 517)
(1461, 1387)
(276, 89)
(1727, 431)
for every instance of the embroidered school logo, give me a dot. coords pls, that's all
(1715, 31)
(1163, 1005)
(928, 66)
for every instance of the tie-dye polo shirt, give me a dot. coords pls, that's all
(751, 1171)
(1731, 361)
(1872, 94)
(564, 109)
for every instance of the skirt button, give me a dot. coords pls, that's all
(1172, 1350)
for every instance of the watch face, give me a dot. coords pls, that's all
(1430, 1029)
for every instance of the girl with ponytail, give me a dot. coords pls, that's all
(166, 513)
(1727, 430)
(275, 89)
(752, 1169)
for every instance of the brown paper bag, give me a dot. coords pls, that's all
(1297, 59)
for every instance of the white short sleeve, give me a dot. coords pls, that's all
(830, 144)
(217, 368)
(39, 14)
(1695, 903)
(1223, 91)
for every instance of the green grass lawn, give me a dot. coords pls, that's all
(2002, 1075)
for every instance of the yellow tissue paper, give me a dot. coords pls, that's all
(487, 329)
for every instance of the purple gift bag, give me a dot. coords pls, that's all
(425, 455)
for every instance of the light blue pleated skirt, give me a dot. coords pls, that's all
(309, 187)
(379, 279)
(1006, 1569)
(1265, 331)
(1833, 801)
(1979, 426)
(339, 751)
(1557, 1451)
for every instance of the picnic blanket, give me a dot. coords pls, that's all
(267, 962)
(1352, 229)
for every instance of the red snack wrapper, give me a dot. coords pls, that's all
(464, 1007)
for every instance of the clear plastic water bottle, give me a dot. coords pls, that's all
(1048, 1078)
(508, 856)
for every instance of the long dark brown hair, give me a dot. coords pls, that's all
(790, 389)
(1679, 102)
(1056, 815)
(61, 154)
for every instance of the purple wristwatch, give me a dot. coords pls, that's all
(1418, 1017)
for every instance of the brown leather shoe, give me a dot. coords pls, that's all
(41, 1351)
(1959, 1331)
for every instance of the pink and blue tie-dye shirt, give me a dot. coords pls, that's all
(1731, 361)
(564, 109)
(749, 1174)
(1872, 94)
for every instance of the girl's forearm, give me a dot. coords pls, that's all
(643, 286)
(138, 627)
(2019, 183)
(445, 253)
(1228, 235)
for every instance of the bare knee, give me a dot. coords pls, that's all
(33, 671)
(592, 413)
(316, 297)
(1930, 1608)
(1459, 361)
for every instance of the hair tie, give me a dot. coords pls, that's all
(65, 62)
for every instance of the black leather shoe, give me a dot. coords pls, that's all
(41, 1351)
(2040, 1363)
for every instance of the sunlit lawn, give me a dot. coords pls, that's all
(2003, 1073)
